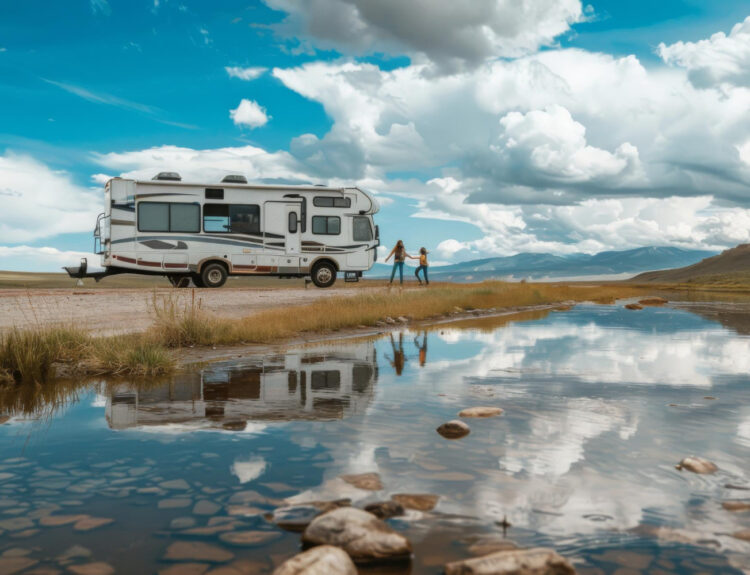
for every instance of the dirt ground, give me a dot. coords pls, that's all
(111, 311)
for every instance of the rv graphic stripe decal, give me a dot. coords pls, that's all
(152, 195)
(160, 245)
(204, 239)
(129, 207)
(122, 222)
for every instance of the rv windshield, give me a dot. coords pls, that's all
(362, 229)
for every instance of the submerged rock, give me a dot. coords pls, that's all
(385, 509)
(367, 481)
(196, 551)
(15, 564)
(362, 535)
(736, 505)
(697, 465)
(633, 306)
(248, 538)
(537, 561)
(323, 560)
(418, 501)
(59, 520)
(482, 411)
(205, 507)
(185, 569)
(491, 544)
(98, 568)
(743, 535)
(454, 429)
(90, 523)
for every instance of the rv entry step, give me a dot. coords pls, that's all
(352, 276)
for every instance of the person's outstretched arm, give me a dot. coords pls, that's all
(390, 254)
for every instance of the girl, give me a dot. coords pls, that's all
(399, 253)
(422, 266)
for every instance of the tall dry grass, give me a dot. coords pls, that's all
(30, 355)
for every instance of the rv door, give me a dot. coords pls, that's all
(293, 229)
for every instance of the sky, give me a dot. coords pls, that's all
(485, 127)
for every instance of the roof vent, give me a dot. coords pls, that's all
(234, 179)
(168, 176)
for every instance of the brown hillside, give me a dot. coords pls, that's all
(729, 264)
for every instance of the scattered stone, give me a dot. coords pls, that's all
(418, 501)
(633, 306)
(323, 560)
(736, 505)
(367, 481)
(176, 484)
(75, 552)
(43, 571)
(536, 561)
(90, 523)
(245, 497)
(59, 520)
(697, 465)
(245, 510)
(16, 524)
(185, 569)
(97, 568)
(385, 509)
(454, 429)
(196, 551)
(175, 503)
(205, 507)
(480, 412)
(487, 545)
(390, 320)
(182, 523)
(295, 517)
(402, 319)
(9, 565)
(24, 534)
(16, 552)
(744, 535)
(653, 300)
(362, 535)
(709, 397)
(209, 530)
(248, 538)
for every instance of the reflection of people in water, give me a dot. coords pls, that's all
(422, 348)
(399, 358)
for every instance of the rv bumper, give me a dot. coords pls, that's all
(81, 271)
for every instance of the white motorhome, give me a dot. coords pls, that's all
(206, 232)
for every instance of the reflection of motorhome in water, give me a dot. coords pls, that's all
(205, 232)
(298, 386)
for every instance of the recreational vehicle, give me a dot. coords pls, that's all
(206, 232)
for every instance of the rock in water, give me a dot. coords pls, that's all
(736, 505)
(362, 535)
(697, 465)
(480, 412)
(368, 481)
(385, 509)
(323, 560)
(297, 517)
(633, 306)
(195, 551)
(454, 429)
(537, 561)
(418, 501)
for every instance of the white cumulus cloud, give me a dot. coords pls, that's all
(715, 60)
(245, 73)
(249, 113)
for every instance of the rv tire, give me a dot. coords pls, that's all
(323, 274)
(213, 275)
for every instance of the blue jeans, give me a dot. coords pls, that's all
(423, 269)
(400, 266)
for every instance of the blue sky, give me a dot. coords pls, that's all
(447, 130)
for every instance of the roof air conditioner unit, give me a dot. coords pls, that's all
(234, 179)
(169, 176)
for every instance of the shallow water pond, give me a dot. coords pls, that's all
(600, 404)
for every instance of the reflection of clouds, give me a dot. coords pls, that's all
(743, 429)
(603, 355)
(556, 438)
(249, 469)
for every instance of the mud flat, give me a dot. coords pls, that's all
(116, 311)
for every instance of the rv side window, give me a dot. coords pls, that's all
(362, 229)
(292, 222)
(184, 218)
(164, 217)
(227, 218)
(331, 202)
(326, 225)
(153, 217)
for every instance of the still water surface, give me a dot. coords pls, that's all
(600, 404)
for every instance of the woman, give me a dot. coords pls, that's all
(399, 255)
(422, 266)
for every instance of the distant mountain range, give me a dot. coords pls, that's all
(730, 266)
(539, 266)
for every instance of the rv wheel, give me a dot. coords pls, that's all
(213, 275)
(323, 275)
